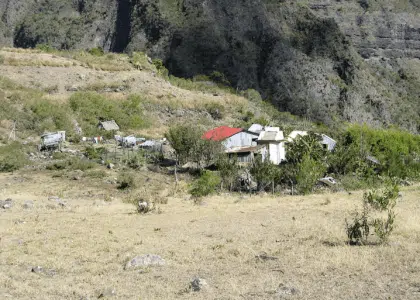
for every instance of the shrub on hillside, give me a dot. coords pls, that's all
(126, 180)
(96, 51)
(397, 152)
(95, 153)
(93, 107)
(45, 48)
(216, 110)
(73, 163)
(12, 157)
(1, 60)
(205, 185)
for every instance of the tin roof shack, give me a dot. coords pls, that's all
(274, 139)
(294, 134)
(108, 125)
(328, 142)
(52, 140)
(246, 155)
(232, 137)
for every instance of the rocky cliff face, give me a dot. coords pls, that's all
(328, 60)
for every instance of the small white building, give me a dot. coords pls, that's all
(328, 142)
(274, 139)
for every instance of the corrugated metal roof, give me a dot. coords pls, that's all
(257, 128)
(109, 125)
(268, 136)
(221, 133)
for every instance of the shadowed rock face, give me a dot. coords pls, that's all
(328, 61)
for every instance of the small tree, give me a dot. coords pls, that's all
(228, 169)
(363, 223)
(309, 172)
(265, 173)
(305, 145)
(189, 145)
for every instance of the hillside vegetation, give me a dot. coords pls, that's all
(353, 61)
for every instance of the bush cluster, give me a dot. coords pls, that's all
(12, 157)
(93, 107)
(206, 184)
(365, 222)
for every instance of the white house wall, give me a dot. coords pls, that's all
(240, 139)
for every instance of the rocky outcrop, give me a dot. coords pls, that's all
(326, 60)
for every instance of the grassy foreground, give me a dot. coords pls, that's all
(88, 242)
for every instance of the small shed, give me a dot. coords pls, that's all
(232, 137)
(328, 142)
(108, 125)
(274, 139)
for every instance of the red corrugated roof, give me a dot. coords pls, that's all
(221, 133)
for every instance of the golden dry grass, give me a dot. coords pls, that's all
(88, 244)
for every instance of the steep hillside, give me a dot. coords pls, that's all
(40, 91)
(328, 61)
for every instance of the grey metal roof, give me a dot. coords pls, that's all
(268, 136)
(109, 125)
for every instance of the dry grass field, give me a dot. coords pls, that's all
(84, 246)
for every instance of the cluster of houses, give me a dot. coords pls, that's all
(54, 140)
(259, 141)
(245, 145)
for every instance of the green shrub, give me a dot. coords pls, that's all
(363, 223)
(160, 67)
(96, 174)
(398, 151)
(126, 180)
(309, 172)
(205, 185)
(71, 164)
(136, 161)
(12, 157)
(96, 51)
(59, 155)
(216, 110)
(228, 170)
(1, 60)
(219, 77)
(140, 61)
(95, 153)
(45, 48)
(93, 107)
(265, 173)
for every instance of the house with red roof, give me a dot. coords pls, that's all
(232, 137)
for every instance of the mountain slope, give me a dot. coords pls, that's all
(328, 61)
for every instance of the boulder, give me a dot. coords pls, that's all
(198, 284)
(6, 204)
(145, 260)
(29, 204)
